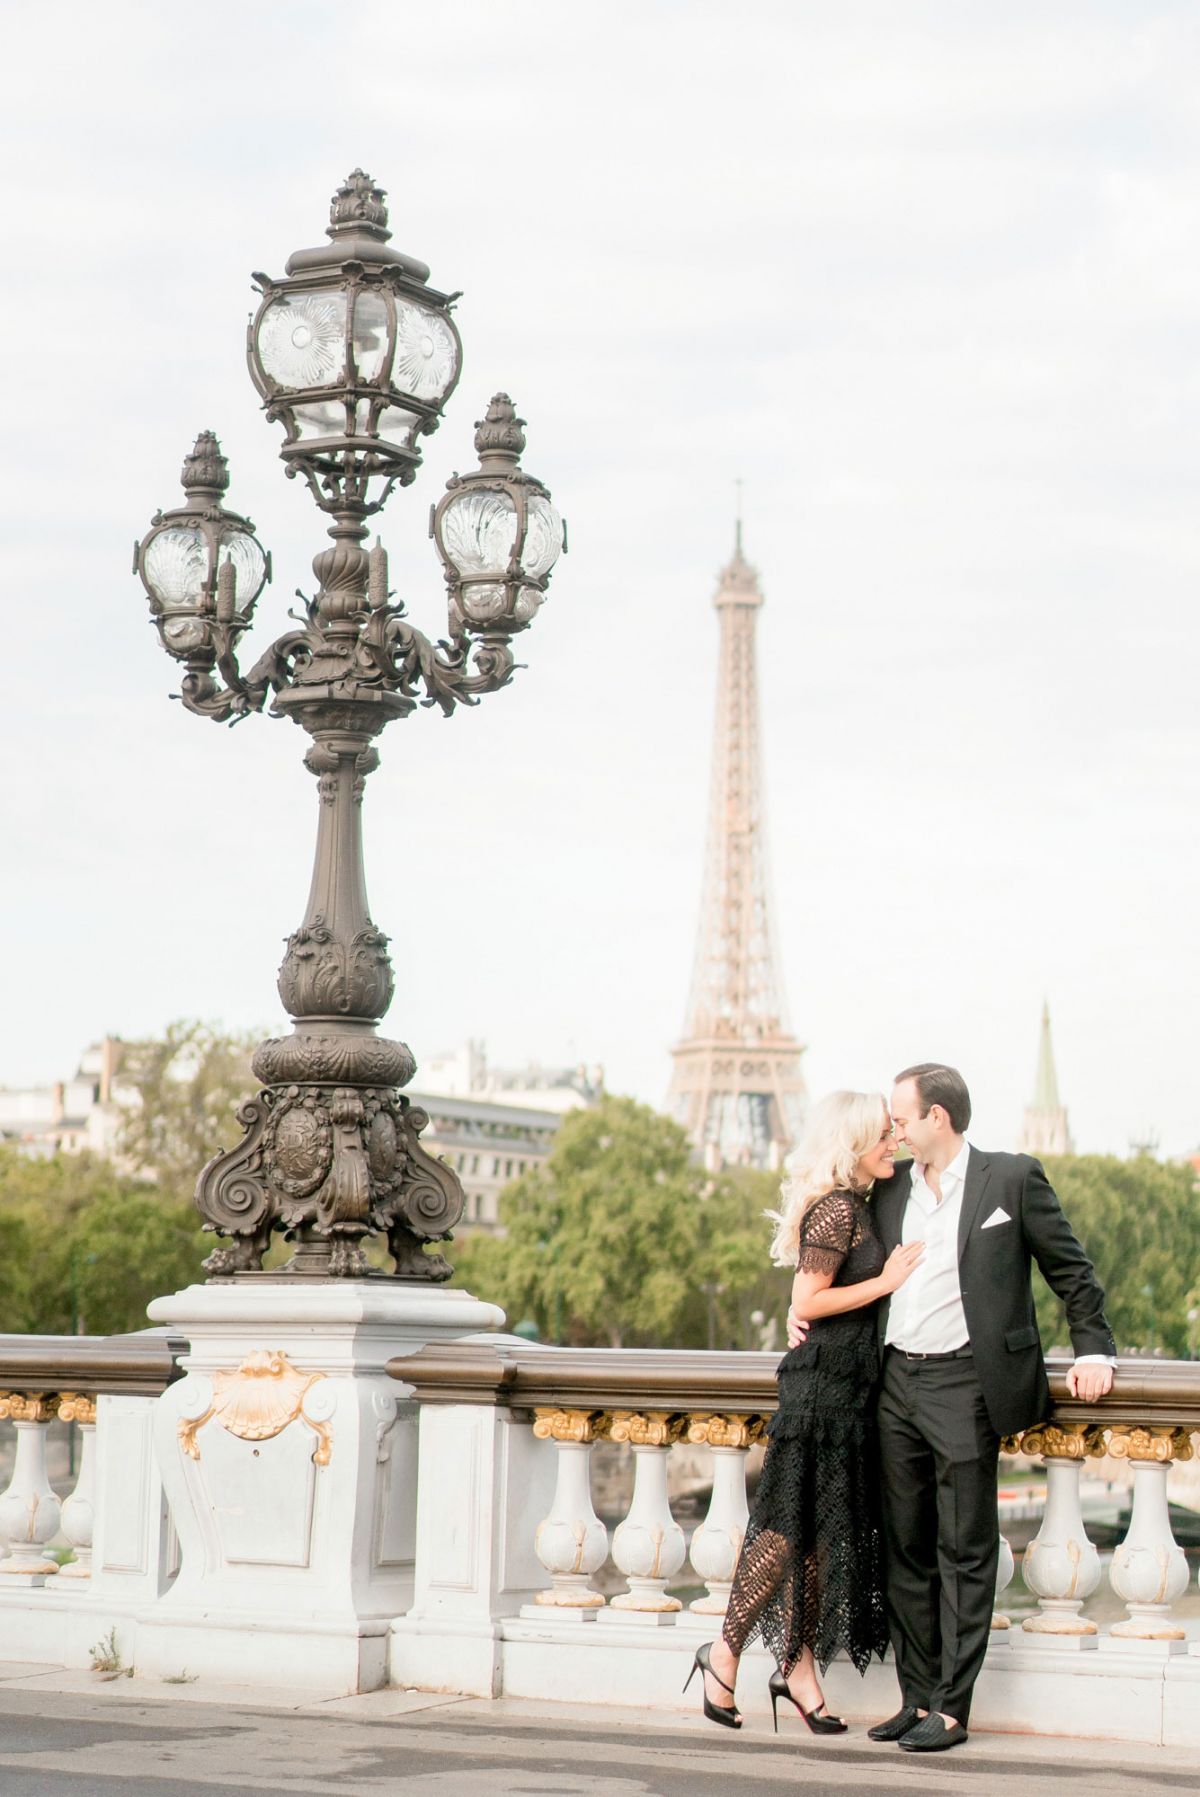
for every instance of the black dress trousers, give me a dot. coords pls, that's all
(939, 1453)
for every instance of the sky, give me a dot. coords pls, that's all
(925, 277)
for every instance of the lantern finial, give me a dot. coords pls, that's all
(205, 470)
(357, 225)
(358, 206)
(500, 434)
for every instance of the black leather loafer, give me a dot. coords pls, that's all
(932, 1736)
(896, 1725)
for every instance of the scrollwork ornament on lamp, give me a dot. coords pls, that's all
(355, 355)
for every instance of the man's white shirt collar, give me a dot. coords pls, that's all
(953, 1177)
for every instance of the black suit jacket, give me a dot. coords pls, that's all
(994, 1268)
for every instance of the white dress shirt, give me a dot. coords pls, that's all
(926, 1315)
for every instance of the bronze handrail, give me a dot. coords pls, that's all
(1150, 1393)
(141, 1364)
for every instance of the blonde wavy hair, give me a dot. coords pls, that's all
(841, 1129)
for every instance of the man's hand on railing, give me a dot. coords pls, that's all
(797, 1329)
(1090, 1379)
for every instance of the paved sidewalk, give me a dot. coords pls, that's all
(66, 1735)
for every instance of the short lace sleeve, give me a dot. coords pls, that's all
(826, 1231)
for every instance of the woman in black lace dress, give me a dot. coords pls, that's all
(810, 1576)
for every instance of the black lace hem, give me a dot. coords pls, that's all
(812, 1259)
(828, 1601)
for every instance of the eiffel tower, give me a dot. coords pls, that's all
(736, 1085)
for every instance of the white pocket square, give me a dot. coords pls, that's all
(997, 1217)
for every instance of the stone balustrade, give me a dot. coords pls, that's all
(570, 1399)
(112, 1524)
(492, 1513)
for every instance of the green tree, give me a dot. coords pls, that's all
(189, 1085)
(58, 1185)
(601, 1241)
(84, 1247)
(16, 1256)
(125, 1250)
(620, 1239)
(1139, 1220)
(735, 1276)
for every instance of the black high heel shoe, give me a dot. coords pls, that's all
(820, 1724)
(728, 1718)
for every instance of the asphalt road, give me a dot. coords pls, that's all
(115, 1743)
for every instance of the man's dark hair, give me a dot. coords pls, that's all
(938, 1084)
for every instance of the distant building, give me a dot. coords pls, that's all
(84, 1113)
(491, 1124)
(465, 1074)
(1045, 1128)
(487, 1145)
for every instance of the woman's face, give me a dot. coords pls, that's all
(879, 1161)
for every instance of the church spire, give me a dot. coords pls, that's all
(1045, 1129)
(1045, 1086)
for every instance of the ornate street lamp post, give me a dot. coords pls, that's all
(355, 355)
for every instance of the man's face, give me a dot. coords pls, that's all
(917, 1133)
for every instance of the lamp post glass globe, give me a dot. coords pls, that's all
(355, 355)
(497, 531)
(201, 564)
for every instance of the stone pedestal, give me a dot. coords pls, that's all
(135, 1553)
(485, 1481)
(288, 1458)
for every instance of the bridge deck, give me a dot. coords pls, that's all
(67, 1735)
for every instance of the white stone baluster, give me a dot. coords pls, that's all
(29, 1509)
(1062, 1568)
(572, 1542)
(716, 1544)
(649, 1546)
(79, 1510)
(1005, 1567)
(1149, 1569)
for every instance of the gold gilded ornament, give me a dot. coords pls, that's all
(1074, 1441)
(29, 1406)
(551, 1424)
(73, 1407)
(647, 1429)
(257, 1402)
(724, 1431)
(1150, 1444)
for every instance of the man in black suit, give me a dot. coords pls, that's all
(962, 1366)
